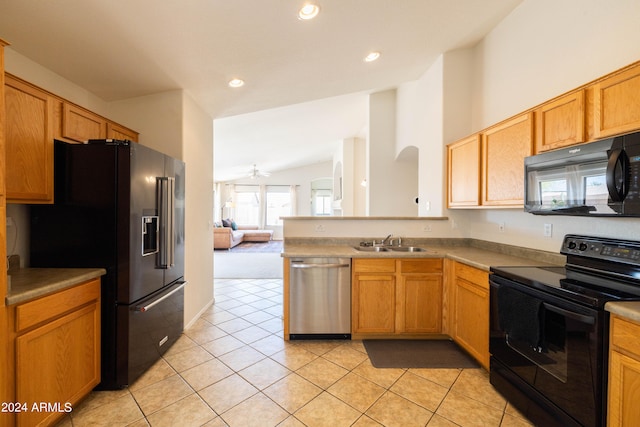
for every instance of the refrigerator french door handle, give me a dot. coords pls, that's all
(166, 210)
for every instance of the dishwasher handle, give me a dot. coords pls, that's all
(298, 264)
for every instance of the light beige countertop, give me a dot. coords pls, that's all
(479, 254)
(32, 283)
(628, 309)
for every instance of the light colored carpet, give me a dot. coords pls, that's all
(253, 265)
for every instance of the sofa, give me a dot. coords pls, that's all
(227, 237)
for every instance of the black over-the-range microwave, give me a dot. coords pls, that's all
(600, 178)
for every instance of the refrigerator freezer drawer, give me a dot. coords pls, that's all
(155, 323)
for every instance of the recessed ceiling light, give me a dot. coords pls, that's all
(236, 83)
(308, 11)
(372, 56)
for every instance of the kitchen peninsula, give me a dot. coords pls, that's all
(439, 292)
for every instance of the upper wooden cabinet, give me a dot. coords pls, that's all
(560, 123)
(34, 118)
(616, 103)
(81, 125)
(116, 131)
(29, 143)
(463, 172)
(504, 148)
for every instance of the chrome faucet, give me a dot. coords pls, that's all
(385, 242)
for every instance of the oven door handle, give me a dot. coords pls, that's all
(570, 314)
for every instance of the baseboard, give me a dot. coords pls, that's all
(199, 314)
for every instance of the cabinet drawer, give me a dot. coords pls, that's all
(472, 274)
(625, 335)
(34, 312)
(374, 265)
(428, 265)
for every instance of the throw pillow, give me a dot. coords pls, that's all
(226, 223)
(234, 226)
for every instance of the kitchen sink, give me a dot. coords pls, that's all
(371, 248)
(407, 249)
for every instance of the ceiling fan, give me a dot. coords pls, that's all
(254, 173)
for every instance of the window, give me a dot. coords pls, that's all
(321, 205)
(247, 205)
(278, 204)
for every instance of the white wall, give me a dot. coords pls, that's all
(543, 49)
(350, 158)
(391, 185)
(34, 73)
(420, 118)
(198, 156)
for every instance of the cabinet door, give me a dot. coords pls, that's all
(421, 304)
(115, 131)
(81, 125)
(463, 173)
(373, 303)
(560, 123)
(29, 143)
(616, 104)
(504, 148)
(471, 311)
(58, 363)
(624, 390)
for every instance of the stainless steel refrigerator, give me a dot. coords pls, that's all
(120, 206)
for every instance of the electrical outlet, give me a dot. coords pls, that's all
(10, 222)
(426, 228)
(548, 230)
(501, 227)
(320, 228)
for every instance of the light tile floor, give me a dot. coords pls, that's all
(233, 368)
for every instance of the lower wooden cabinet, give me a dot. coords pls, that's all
(396, 296)
(469, 310)
(624, 373)
(57, 352)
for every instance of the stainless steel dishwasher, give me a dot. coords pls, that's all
(320, 298)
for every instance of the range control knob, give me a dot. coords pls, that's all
(582, 247)
(572, 245)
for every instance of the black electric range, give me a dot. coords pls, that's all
(549, 329)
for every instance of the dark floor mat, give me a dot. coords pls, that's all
(417, 354)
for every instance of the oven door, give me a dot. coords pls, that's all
(558, 373)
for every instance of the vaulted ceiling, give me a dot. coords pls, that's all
(305, 81)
